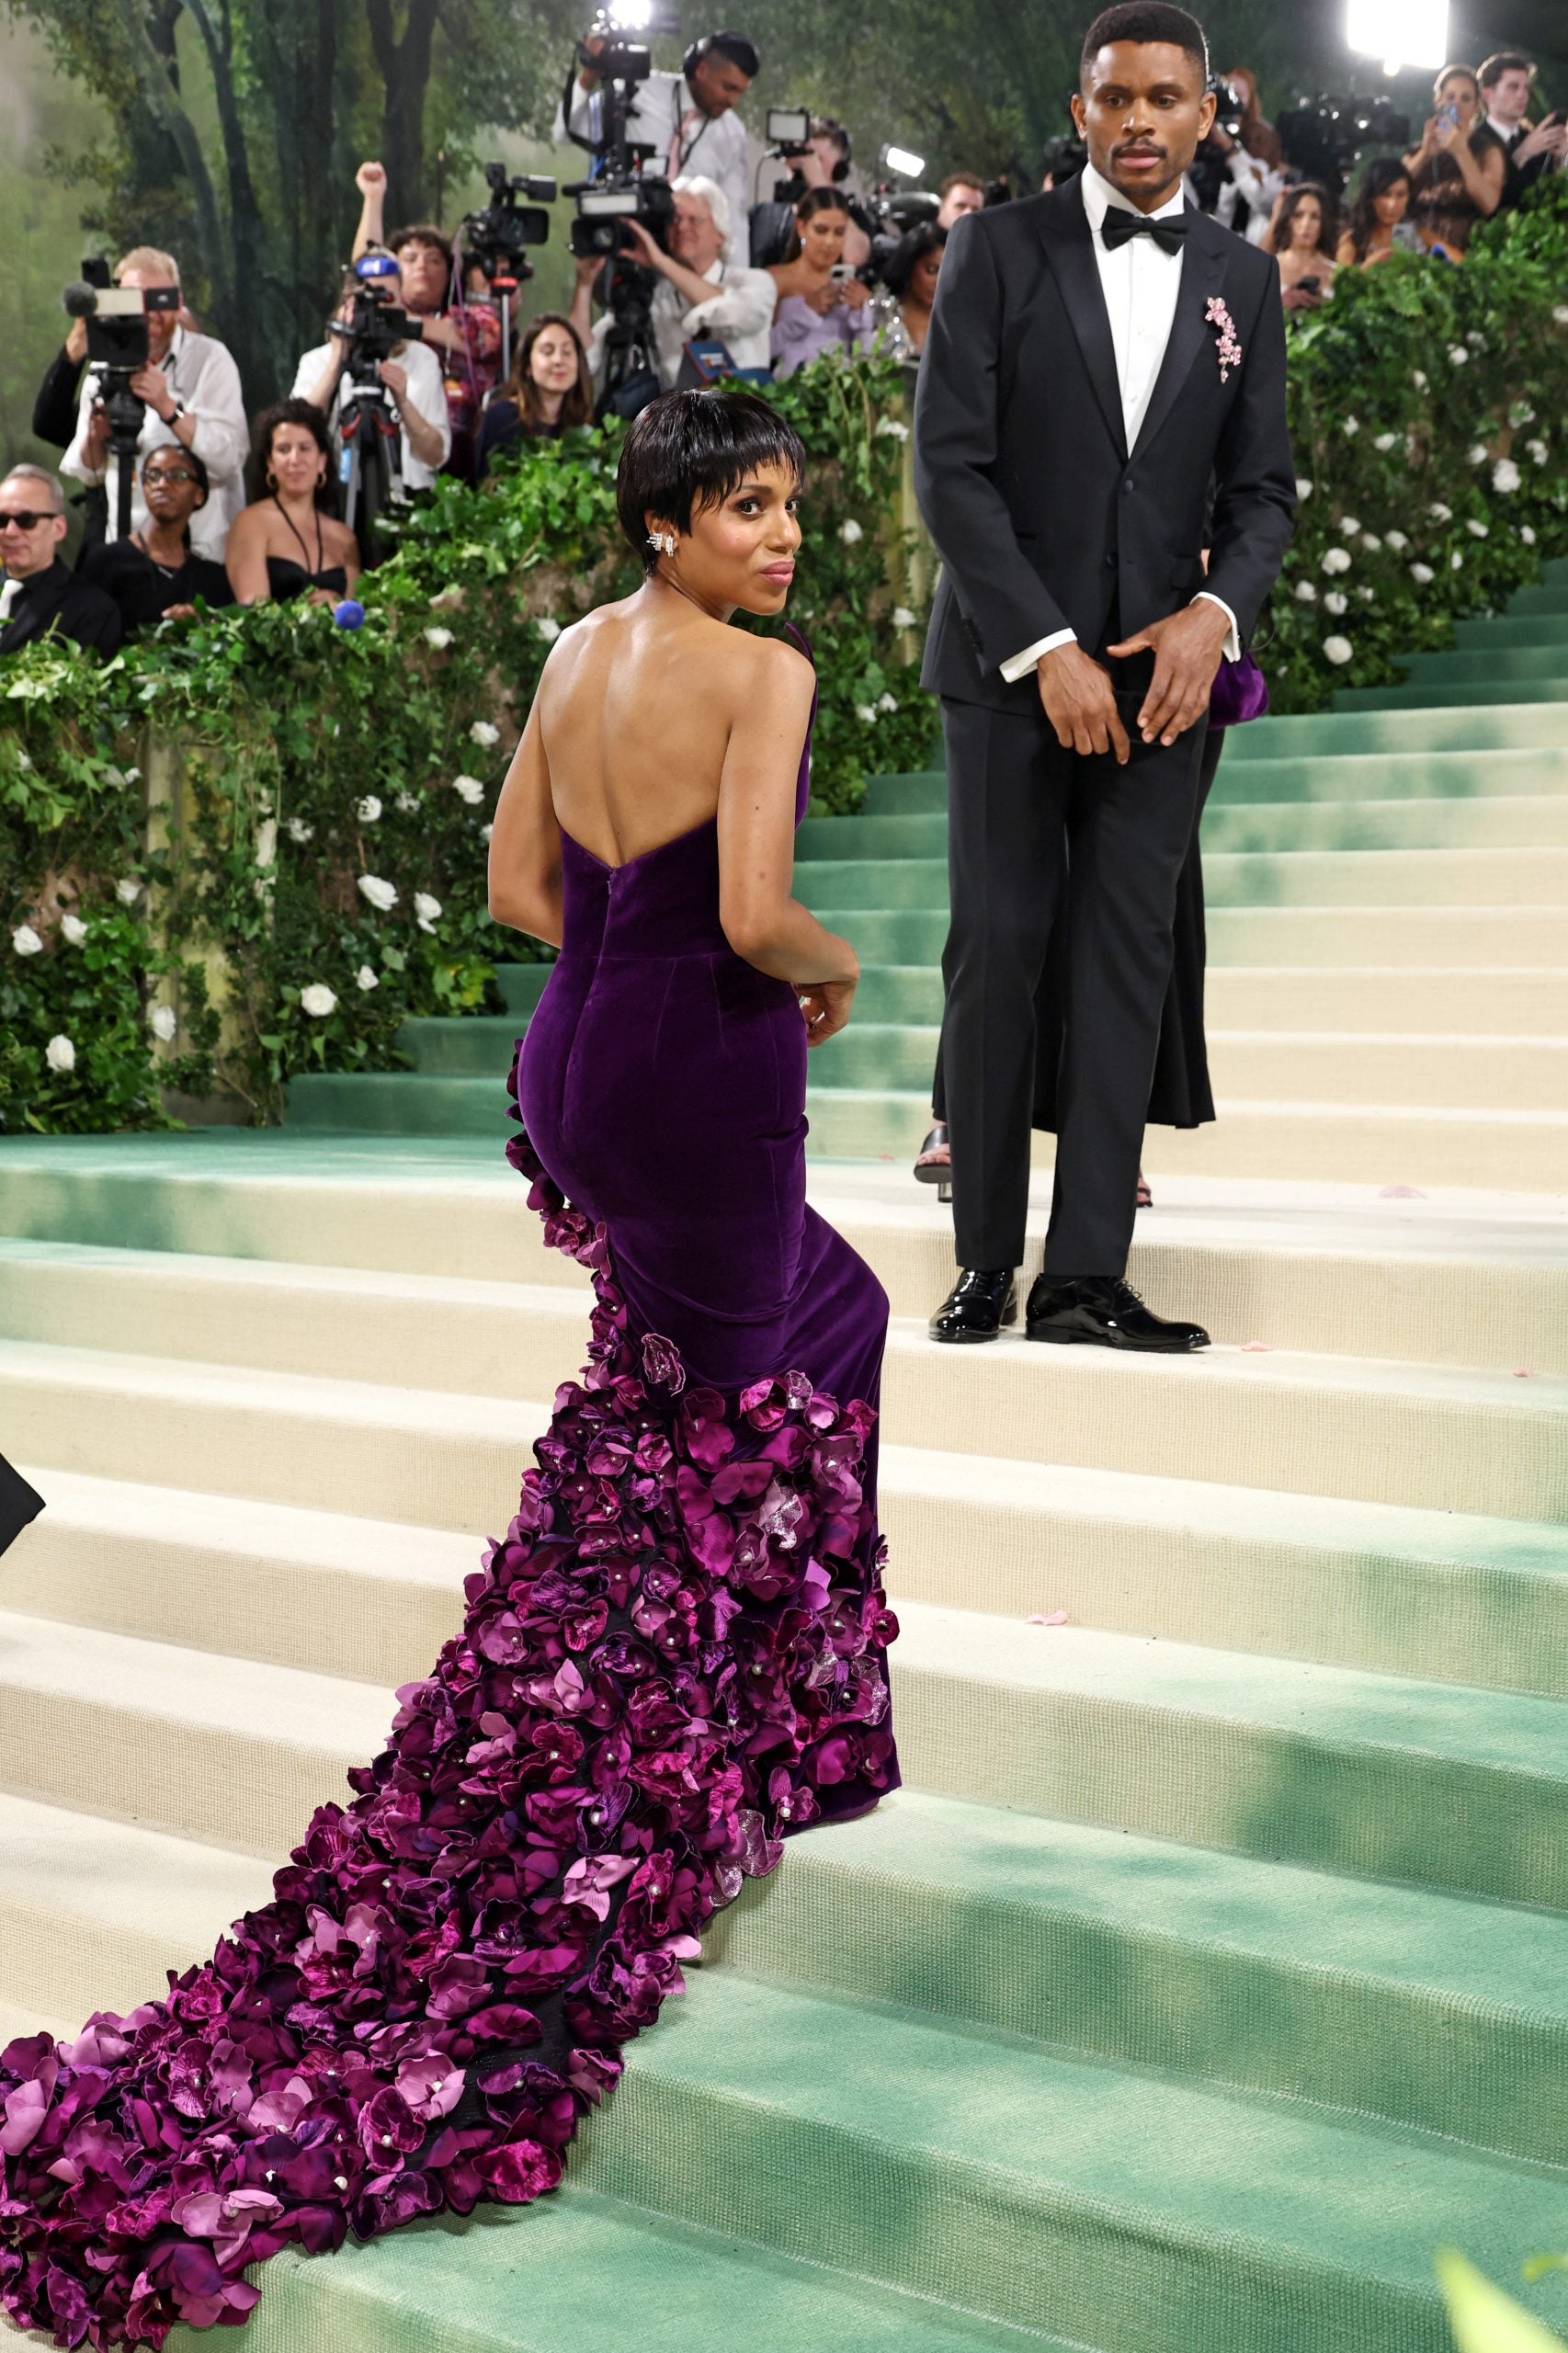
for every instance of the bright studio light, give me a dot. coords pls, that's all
(1401, 32)
(630, 15)
(901, 159)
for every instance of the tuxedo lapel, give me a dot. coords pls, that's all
(1069, 244)
(1203, 274)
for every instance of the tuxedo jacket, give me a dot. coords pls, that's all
(61, 603)
(1043, 517)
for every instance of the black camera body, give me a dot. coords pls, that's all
(498, 237)
(118, 345)
(1322, 137)
(1064, 155)
(371, 333)
(606, 204)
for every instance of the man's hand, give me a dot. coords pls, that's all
(1079, 701)
(646, 249)
(1548, 138)
(76, 341)
(1186, 648)
(371, 180)
(150, 384)
(395, 379)
(95, 449)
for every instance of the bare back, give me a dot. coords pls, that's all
(635, 710)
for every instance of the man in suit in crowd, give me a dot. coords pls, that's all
(1506, 80)
(39, 596)
(1105, 372)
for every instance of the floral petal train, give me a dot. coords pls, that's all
(673, 1659)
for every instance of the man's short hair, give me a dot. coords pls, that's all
(423, 232)
(825, 127)
(737, 48)
(690, 450)
(1501, 62)
(961, 179)
(1146, 21)
(148, 257)
(27, 471)
(712, 195)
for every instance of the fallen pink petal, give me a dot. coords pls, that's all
(1401, 1193)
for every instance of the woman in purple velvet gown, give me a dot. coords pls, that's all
(676, 1656)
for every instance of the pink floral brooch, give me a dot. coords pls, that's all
(1229, 347)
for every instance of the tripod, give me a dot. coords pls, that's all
(371, 469)
(631, 376)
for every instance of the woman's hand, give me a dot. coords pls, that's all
(854, 291)
(824, 298)
(825, 1006)
(371, 180)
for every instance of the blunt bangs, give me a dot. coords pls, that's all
(690, 450)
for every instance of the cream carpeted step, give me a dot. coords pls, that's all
(1462, 1441)
(1466, 936)
(1419, 1072)
(1510, 1004)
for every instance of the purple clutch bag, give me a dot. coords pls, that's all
(1241, 692)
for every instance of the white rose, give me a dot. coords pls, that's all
(1527, 535)
(60, 1054)
(1456, 562)
(365, 979)
(1477, 454)
(298, 831)
(1505, 475)
(894, 427)
(1475, 337)
(867, 713)
(1337, 560)
(128, 891)
(1458, 355)
(318, 999)
(887, 702)
(1306, 592)
(26, 941)
(74, 930)
(1386, 441)
(162, 1022)
(1418, 377)
(1337, 602)
(1350, 525)
(1478, 530)
(1397, 540)
(903, 617)
(1538, 452)
(549, 630)
(1337, 649)
(1370, 543)
(367, 810)
(850, 532)
(381, 895)
(1439, 513)
(1303, 487)
(1368, 595)
(469, 788)
(440, 638)
(1521, 413)
(1421, 574)
(482, 733)
(427, 911)
(486, 831)
(1350, 426)
(1560, 314)
(407, 803)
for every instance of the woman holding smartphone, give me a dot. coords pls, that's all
(1458, 171)
(823, 306)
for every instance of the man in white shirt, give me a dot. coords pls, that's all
(191, 388)
(701, 293)
(688, 119)
(412, 378)
(1102, 396)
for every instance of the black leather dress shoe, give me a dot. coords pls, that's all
(977, 1305)
(1104, 1312)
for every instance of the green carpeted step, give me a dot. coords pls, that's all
(1440, 698)
(398, 1103)
(1481, 665)
(1434, 821)
(894, 882)
(1049, 2190)
(475, 1046)
(1385, 775)
(1549, 596)
(522, 986)
(1423, 2009)
(1353, 728)
(918, 792)
(1517, 629)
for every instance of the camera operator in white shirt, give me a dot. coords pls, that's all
(701, 293)
(688, 119)
(191, 388)
(412, 376)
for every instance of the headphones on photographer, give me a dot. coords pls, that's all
(823, 126)
(701, 49)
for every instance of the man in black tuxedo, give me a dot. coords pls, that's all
(39, 596)
(1105, 369)
(1507, 79)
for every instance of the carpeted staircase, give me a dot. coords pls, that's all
(1214, 1966)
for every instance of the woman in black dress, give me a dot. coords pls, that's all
(152, 576)
(289, 542)
(1458, 170)
(551, 387)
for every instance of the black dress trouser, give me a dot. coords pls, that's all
(1037, 836)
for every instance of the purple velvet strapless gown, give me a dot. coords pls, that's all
(673, 1659)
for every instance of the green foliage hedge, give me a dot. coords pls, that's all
(305, 760)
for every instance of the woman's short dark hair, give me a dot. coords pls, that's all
(1381, 174)
(1146, 21)
(690, 450)
(295, 411)
(915, 244)
(577, 406)
(1290, 203)
(186, 457)
(421, 233)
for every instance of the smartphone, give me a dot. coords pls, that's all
(1447, 116)
(1309, 285)
(841, 273)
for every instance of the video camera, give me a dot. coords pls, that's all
(376, 323)
(118, 345)
(498, 237)
(620, 190)
(1322, 137)
(788, 136)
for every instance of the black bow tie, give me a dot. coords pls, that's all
(1119, 227)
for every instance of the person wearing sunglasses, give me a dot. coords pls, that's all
(39, 597)
(153, 575)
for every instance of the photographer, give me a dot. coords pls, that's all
(153, 575)
(1254, 163)
(701, 293)
(822, 307)
(467, 335)
(1459, 172)
(1506, 79)
(412, 375)
(38, 597)
(688, 119)
(829, 163)
(191, 390)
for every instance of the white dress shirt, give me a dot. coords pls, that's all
(426, 393)
(202, 374)
(740, 314)
(1140, 282)
(664, 116)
